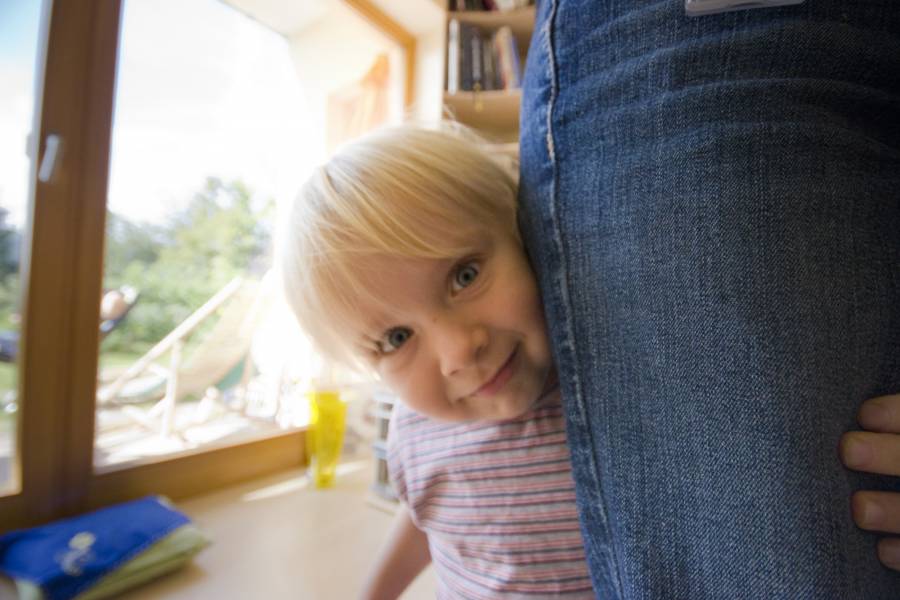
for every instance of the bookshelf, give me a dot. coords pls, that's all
(382, 494)
(494, 113)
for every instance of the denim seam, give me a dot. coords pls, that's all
(547, 38)
(562, 278)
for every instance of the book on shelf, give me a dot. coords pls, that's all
(466, 33)
(480, 59)
(507, 54)
(476, 48)
(453, 56)
(488, 5)
(490, 75)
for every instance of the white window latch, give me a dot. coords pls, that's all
(53, 148)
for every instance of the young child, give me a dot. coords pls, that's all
(404, 259)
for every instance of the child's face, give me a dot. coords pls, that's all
(459, 339)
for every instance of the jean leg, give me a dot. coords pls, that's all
(713, 209)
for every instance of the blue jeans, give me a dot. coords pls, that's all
(712, 206)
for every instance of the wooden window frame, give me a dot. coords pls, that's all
(393, 30)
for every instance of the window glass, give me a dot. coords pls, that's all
(208, 137)
(19, 28)
(222, 108)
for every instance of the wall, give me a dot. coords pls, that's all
(336, 51)
(429, 74)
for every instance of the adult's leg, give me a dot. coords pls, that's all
(713, 208)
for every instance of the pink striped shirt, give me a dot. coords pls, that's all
(497, 502)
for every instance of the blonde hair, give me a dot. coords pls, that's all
(402, 191)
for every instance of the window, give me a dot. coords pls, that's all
(19, 28)
(148, 244)
(203, 145)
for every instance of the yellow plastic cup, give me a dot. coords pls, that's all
(325, 437)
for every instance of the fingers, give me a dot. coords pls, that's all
(872, 452)
(877, 511)
(889, 553)
(881, 414)
(877, 453)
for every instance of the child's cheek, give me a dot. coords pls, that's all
(396, 380)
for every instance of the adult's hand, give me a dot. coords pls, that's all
(877, 450)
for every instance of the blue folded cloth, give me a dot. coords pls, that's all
(67, 557)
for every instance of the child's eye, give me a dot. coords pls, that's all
(465, 275)
(393, 339)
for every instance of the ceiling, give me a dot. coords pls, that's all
(290, 17)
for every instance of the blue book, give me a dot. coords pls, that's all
(117, 546)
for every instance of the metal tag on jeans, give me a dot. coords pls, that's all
(697, 8)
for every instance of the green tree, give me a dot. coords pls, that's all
(180, 265)
(10, 251)
(128, 242)
(219, 234)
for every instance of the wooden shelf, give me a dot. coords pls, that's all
(496, 113)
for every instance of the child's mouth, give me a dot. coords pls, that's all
(503, 374)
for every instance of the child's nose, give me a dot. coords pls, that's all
(459, 345)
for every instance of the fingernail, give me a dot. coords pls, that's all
(873, 415)
(872, 515)
(856, 453)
